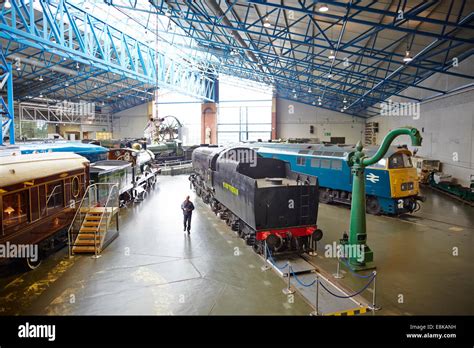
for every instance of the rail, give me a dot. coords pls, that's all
(318, 280)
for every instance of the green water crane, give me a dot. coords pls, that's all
(357, 231)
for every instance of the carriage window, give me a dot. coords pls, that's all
(315, 162)
(400, 160)
(325, 163)
(75, 189)
(301, 161)
(15, 208)
(336, 164)
(303, 152)
(55, 196)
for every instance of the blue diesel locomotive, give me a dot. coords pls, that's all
(391, 184)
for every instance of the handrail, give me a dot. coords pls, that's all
(102, 216)
(79, 209)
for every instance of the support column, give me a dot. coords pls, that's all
(274, 118)
(209, 123)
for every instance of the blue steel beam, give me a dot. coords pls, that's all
(66, 31)
(7, 114)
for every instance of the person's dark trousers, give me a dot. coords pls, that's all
(187, 222)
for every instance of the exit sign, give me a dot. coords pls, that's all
(327, 134)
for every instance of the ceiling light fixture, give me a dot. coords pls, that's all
(293, 91)
(40, 78)
(309, 90)
(331, 55)
(344, 101)
(323, 8)
(266, 22)
(408, 58)
(8, 4)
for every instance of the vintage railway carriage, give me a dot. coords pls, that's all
(38, 197)
(257, 197)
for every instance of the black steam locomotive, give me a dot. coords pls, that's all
(257, 197)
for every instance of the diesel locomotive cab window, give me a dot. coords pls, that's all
(55, 195)
(325, 163)
(400, 160)
(15, 208)
(336, 164)
(315, 162)
(301, 161)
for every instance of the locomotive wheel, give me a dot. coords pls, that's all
(373, 206)
(274, 242)
(250, 240)
(258, 248)
(324, 196)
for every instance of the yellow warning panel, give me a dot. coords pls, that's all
(355, 311)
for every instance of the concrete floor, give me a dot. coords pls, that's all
(414, 256)
(153, 268)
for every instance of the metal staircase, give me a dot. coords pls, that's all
(6, 108)
(89, 232)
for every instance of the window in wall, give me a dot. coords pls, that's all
(245, 112)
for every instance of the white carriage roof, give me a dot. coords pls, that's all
(21, 168)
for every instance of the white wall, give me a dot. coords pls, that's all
(297, 125)
(447, 126)
(446, 122)
(130, 123)
(189, 114)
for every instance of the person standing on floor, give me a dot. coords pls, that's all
(187, 207)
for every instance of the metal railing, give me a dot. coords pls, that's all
(93, 197)
(167, 164)
(112, 197)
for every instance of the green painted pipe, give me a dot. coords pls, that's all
(358, 162)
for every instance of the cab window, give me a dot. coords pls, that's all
(301, 161)
(400, 160)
